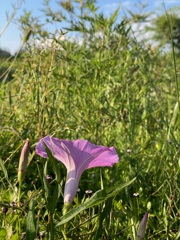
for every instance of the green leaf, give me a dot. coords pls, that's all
(104, 215)
(178, 236)
(14, 237)
(3, 168)
(53, 198)
(5, 172)
(113, 191)
(45, 181)
(2, 233)
(113, 17)
(54, 163)
(97, 198)
(30, 223)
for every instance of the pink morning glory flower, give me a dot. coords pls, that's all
(77, 156)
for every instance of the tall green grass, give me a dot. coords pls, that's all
(112, 91)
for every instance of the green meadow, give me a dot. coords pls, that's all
(113, 90)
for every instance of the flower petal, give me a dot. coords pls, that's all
(80, 153)
(71, 187)
(56, 147)
(87, 155)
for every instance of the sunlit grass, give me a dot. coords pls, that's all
(113, 92)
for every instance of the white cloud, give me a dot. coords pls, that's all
(142, 35)
(139, 28)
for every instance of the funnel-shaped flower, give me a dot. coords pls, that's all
(142, 227)
(77, 156)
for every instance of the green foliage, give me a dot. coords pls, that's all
(167, 27)
(112, 91)
(97, 198)
(6, 73)
(30, 224)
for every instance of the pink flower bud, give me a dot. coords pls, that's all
(23, 161)
(142, 227)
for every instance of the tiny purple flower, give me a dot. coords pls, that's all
(88, 191)
(136, 194)
(77, 156)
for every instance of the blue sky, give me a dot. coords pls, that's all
(10, 38)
